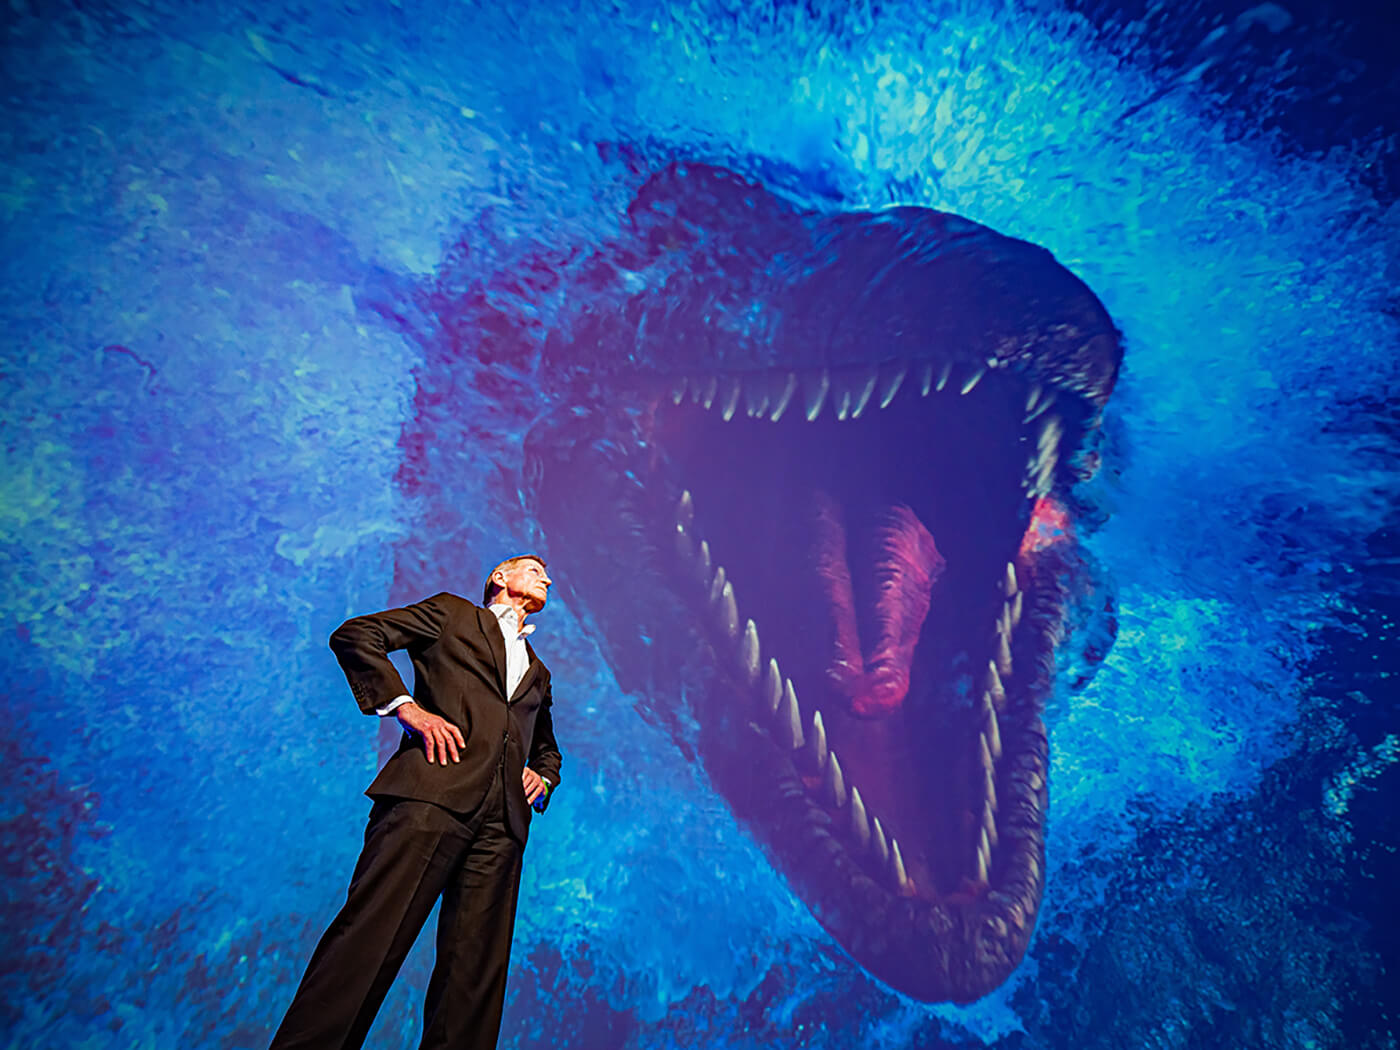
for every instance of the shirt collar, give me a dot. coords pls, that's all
(506, 615)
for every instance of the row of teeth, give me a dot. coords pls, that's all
(849, 392)
(990, 705)
(779, 705)
(1040, 468)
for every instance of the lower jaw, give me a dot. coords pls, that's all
(768, 751)
(710, 682)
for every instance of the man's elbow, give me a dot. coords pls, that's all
(347, 636)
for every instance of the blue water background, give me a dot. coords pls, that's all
(202, 417)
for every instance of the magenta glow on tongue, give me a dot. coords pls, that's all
(907, 566)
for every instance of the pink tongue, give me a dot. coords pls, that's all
(906, 568)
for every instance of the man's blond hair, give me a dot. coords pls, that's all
(489, 593)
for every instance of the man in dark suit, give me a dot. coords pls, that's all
(450, 817)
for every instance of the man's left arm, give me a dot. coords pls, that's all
(544, 760)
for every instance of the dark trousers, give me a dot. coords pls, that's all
(414, 853)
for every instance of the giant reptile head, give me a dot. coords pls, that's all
(806, 489)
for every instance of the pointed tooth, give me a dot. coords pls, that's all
(707, 391)
(943, 374)
(815, 386)
(1039, 460)
(717, 585)
(782, 395)
(860, 825)
(756, 395)
(972, 381)
(879, 845)
(994, 686)
(1040, 409)
(842, 391)
(678, 384)
(816, 743)
(892, 378)
(861, 393)
(984, 856)
(728, 610)
(749, 659)
(1003, 655)
(835, 782)
(1048, 439)
(1016, 608)
(925, 378)
(702, 565)
(729, 397)
(989, 823)
(985, 706)
(991, 731)
(1033, 398)
(899, 877)
(1041, 474)
(1009, 586)
(772, 688)
(685, 546)
(790, 718)
(1033, 866)
(685, 509)
(1004, 620)
(989, 779)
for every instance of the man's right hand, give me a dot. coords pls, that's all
(441, 739)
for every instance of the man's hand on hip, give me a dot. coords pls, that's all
(533, 783)
(441, 739)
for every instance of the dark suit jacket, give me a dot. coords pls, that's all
(459, 666)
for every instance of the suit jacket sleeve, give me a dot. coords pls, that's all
(544, 751)
(362, 645)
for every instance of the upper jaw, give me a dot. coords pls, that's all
(712, 272)
(1049, 417)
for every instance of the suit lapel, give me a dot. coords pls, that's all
(528, 678)
(491, 628)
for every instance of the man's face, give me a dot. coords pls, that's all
(526, 580)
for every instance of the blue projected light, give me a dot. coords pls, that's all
(313, 312)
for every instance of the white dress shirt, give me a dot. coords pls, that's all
(517, 656)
